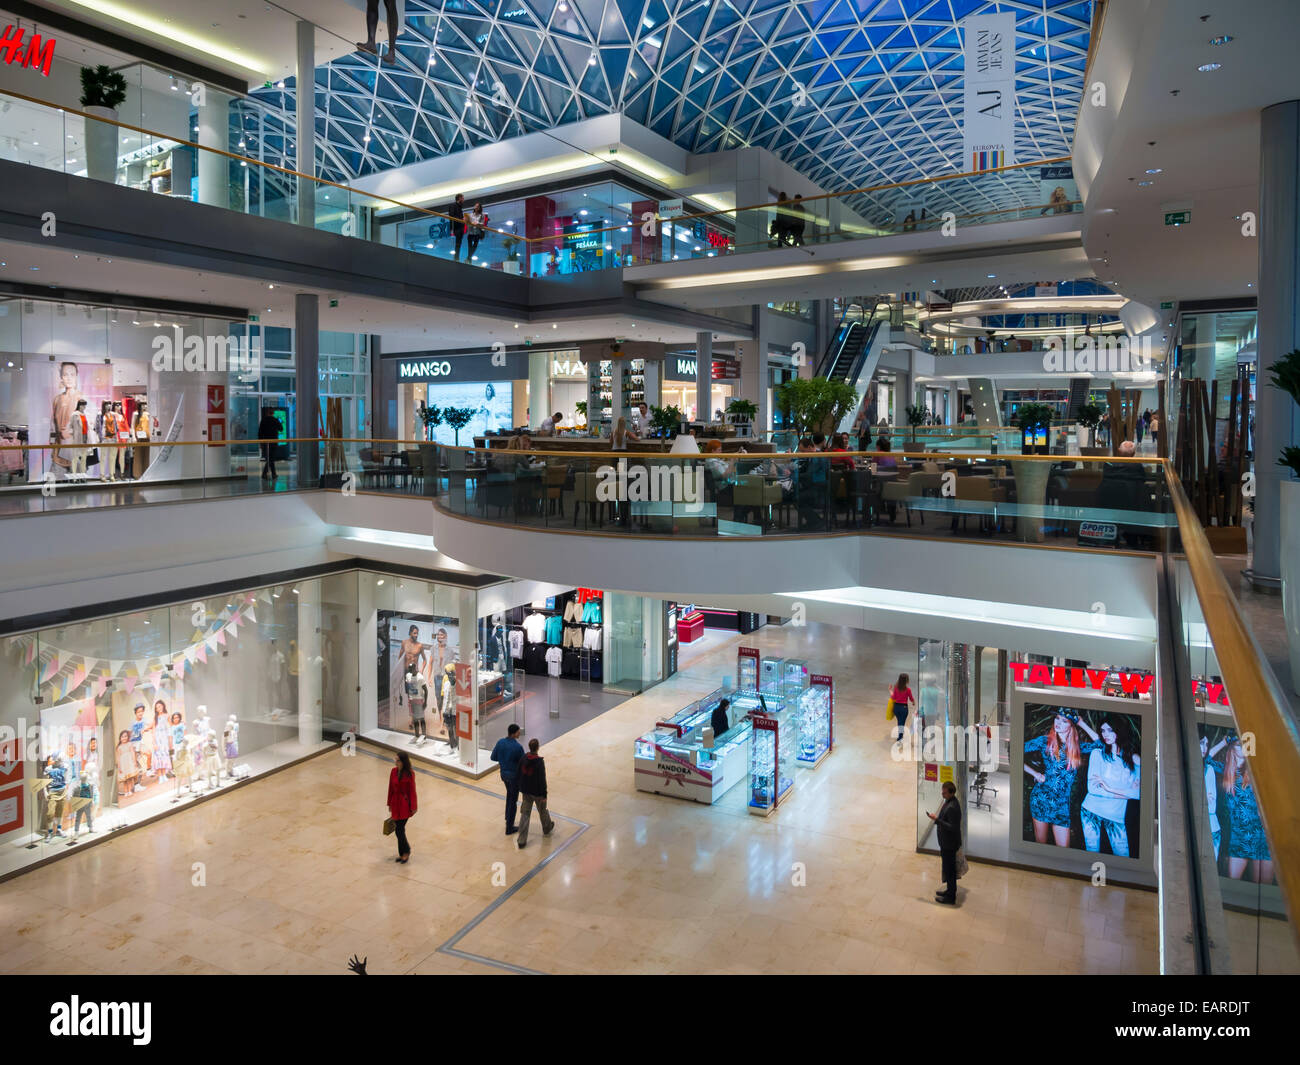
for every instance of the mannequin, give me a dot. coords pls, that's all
(143, 429)
(80, 435)
(183, 764)
(230, 744)
(211, 759)
(197, 737)
(202, 723)
(417, 698)
(275, 673)
(56, 793)
(88, 789)
(449, 704)
(123, 441)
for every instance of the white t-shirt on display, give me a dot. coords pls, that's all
(553, 657)
(535, 628)
(516, 639)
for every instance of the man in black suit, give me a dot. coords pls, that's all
(456, 212)
(947, 823)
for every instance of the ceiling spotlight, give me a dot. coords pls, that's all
(1144, 184)
(990, 275)
(1221, 39)
(1155, 170)
(1205, 68)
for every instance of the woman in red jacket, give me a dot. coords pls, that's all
(401, 802)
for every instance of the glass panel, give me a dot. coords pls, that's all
(625, 642)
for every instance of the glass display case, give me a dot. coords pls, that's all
(747, 668)
(794, 677)
(772, 759)
(770, 674)
(816, 708)
(672, 758)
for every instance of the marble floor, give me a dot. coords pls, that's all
(292, 874)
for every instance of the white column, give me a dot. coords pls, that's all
(309, 663)
(539, 388)
(214, 132)
(704, 377)
(467, 611)
(305, 134)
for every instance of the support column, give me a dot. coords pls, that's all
(306, 131)
(703, 377)
(467, 615)
(306, 360)
(1277, 423)
(539, 388)
(310, 663)
(214, 132)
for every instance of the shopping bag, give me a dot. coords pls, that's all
(889, 709)
(963, 866)
(92, 459)
(390, 826)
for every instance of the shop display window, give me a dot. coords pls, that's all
(108, 722)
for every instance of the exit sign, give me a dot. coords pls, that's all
(253, 318)
(1177, 218)
(1166, 305)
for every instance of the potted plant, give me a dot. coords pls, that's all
(816, 404)
(1089, 419)
(102, 92)
(666, 421)
(581, 408)
(511, 265)
(431, 417)
(1286, 376)
(1031, 417)
(915, 416)
(457, 418)
(741, 413)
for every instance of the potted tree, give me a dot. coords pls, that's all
(1031, 417)
(102, 92)
(666, 421)
(915, 416)
(1089, 419)
(431, 417)
(816, 404)
(741, 413)
(1286, 376)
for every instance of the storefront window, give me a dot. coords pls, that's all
(112, 721)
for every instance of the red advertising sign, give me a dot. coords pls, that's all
(763, 723)
(1038, 675)
(11, 762)
(464, 700)
(931, 771)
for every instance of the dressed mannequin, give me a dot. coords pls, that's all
(212, 759)
(183, 765)
(56, 793)
(143, 427)
(417, 698)
(89, 789)
(106, 427)
(230, 744)
(275, 672)
(80, 435)
(449, 704)
(197, 736)
(123, 441)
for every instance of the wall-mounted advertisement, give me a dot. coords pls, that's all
(423, 647)
(1078, 787)
(492, 404)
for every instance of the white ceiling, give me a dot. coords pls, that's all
(403, 326)
(1206, 142)
(254, 40)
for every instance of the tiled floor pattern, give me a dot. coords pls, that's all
(296, 876)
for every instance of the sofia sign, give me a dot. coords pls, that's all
(666, 483)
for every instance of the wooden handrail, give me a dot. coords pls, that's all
(1257, 707)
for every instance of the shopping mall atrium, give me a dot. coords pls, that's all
(851, 448)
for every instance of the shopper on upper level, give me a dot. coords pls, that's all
(456, 213)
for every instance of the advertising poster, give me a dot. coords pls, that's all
(143, 740)
(1241, 848)
(1056, 189)
(989, 93)
(69, 381)
(426, 644)
(492, 404)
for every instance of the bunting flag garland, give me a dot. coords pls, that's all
(130, 685)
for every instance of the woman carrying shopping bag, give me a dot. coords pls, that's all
(900, 695)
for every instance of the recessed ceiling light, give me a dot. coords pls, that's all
(991, 275)
(1205, 68)
(1156, 170)
(1144, 184)
(1221, 39)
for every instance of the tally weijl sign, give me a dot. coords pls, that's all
(665, 483)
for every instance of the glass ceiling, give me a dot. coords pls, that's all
(881, 83)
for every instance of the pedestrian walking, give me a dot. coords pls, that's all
(532, 786)
(456, 212)
(476, 227)
(268, 431)
(901, 695)
(507, 754)
(947, 823)
(402, 802)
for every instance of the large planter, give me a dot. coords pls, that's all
(101, 145)
(1289, 492)
(1083, 436)
(1031, 488)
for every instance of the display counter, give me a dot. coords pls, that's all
(672, 758)
(816, 711)
(772, 758)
